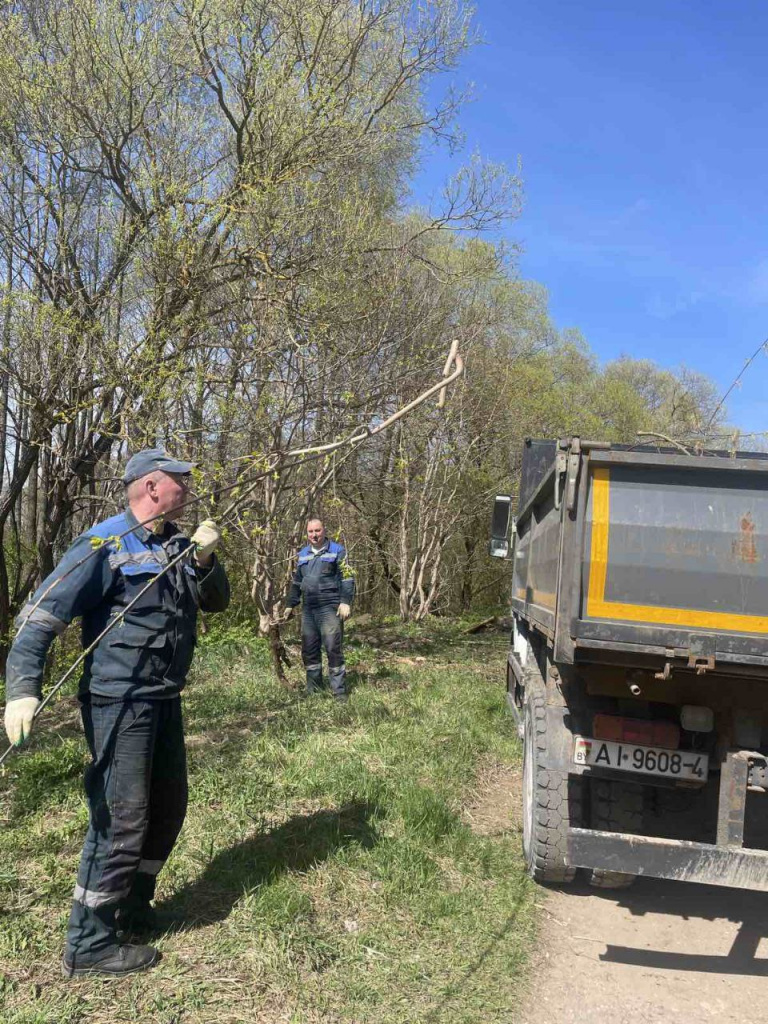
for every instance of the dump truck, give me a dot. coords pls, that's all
(637, 671)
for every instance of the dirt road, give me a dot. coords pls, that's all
(661, 951)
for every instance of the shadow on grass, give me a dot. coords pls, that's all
(455, 644)
(297, 845)
(292, 720)
(235, 724)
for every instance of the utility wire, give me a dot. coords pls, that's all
(302, 455)
(737, 380)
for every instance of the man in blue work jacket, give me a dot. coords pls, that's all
(136, 783)
(325, 584)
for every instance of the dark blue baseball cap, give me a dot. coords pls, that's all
(151, 459)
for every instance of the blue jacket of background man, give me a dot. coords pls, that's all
(321, 579)
(148, 654)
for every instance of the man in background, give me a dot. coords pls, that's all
(325, 586)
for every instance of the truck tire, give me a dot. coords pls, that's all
(616, 807)
(550, 799)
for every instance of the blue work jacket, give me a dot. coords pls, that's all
(320, 578)
(148, 653)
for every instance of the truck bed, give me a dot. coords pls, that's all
(656, 552)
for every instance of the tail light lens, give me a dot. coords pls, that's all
(636, 730)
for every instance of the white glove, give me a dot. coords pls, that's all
(288, 614)
(206, 539)
(343, 611)
(19, 714)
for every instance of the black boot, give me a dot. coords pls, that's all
(120, 961)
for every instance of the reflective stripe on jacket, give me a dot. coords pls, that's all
(149, 652)
(319, 577)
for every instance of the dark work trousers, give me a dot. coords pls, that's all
(322, 628)
(136, 786)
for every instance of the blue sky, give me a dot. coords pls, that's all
(642, 129)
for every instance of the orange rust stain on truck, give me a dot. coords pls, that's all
(743, 547)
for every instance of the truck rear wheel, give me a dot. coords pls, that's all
(616, 807)
(550, 799)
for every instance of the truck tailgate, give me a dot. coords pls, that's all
(677, 548)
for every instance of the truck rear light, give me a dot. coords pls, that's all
(643, 732)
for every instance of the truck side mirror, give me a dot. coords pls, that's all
(500, 526)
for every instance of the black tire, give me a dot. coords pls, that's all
(616, 807)
(550, 799)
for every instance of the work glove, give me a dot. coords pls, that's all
(288, 614)
(206, 539)
(19, 714)
(343, 611)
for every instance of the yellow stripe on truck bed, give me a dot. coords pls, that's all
(599, 608)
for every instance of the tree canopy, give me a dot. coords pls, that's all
(207, 244)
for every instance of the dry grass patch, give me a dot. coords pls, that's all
(495, 807)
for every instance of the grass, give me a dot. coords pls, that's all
(331, 868)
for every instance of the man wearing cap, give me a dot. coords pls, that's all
(136, 783)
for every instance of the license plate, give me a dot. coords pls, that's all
(629, 757)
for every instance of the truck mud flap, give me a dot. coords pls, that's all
(515, 712)
(680, 860)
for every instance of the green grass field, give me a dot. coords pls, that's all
(349, 862)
